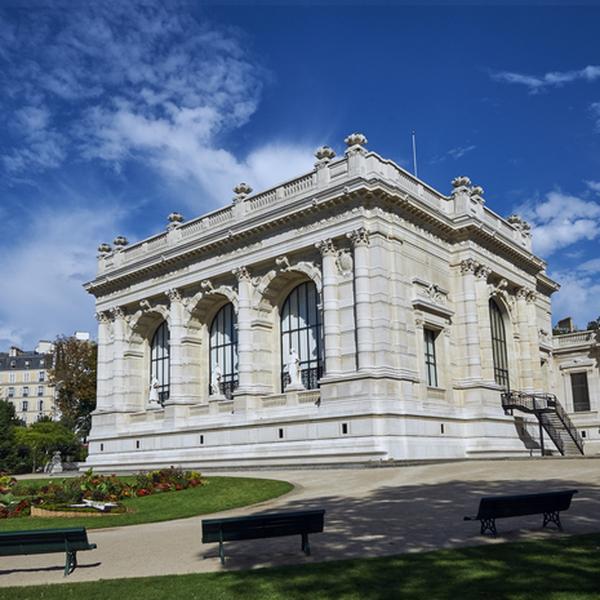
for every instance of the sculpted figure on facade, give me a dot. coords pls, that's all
(215, 380)
(293, 369)
(153, 397)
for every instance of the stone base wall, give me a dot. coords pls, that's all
(299, 429)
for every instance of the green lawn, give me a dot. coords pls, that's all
(559, 569)
(219, 493)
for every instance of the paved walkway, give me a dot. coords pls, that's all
(370, 512)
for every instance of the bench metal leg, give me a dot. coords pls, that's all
(221, 552)
(305, 544)
(488, 525)
(70, 563)
(552, 517)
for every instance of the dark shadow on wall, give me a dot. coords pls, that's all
(528, 441)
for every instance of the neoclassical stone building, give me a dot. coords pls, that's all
(352, 314)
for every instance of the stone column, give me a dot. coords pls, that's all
(104, 396)
(362, 299)
(534, 343)
(244, 319)
(331, 325)
(526, 383)
(121, 383)
(470, 338)
(176, 334)
(484, 326)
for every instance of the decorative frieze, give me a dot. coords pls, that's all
(344, 263)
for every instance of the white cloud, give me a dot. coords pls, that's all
(42, 295)
(139, 82)
(591, 266)
(594, 186)
(536, 83)
(577, 297)
(561, 220)
(453, 153)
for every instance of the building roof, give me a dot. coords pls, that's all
(29, 359)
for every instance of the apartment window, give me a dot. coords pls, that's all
(41, 406)
(26, 391)
(430, 358)
(581, 394)
(26, 376)
(12, 377)
(42, 363)
(11, 392)
(40, 390)
(42, 376)
(25, 406)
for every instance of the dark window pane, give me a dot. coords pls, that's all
(581, 394)
(223, 350)
(159, 360)
(301, 330)
(499, 346)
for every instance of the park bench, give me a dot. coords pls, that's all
(550, 504)
(47, 541)
(263, 526)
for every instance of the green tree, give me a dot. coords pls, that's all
(12, 459)
(74, 376)
(43, 438)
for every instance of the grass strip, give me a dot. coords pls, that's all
(219, 493)
(559, 569)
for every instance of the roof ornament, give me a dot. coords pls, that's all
(120, 242)
(175, 219)
(241, 191)
(324, 154)
(355, 139)
(104, 248)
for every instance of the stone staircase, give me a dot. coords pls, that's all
(552, 418)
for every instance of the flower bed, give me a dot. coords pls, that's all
(16, 500)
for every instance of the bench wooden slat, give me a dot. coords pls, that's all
(46, 541)
(550, 504)
(266, 525)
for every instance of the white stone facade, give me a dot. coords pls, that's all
(403, 276)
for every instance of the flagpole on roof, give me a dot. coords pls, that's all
(414, 148)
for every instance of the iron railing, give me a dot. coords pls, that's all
(542, 406)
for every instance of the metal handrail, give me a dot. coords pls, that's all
(541, 405)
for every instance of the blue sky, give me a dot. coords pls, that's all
(115, 114)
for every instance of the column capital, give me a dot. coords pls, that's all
(118, 312)
(326, 248)
(483, 272)
(242, 274)
(103, 317)
(174, 295)
(359, 237)
(469, 266)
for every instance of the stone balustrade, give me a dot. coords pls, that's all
(338, 171)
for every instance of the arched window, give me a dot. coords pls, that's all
(301, 330)
(223, 352)
(159, 360)
(499, 346)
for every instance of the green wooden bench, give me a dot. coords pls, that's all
(263, 526)
(550, 504)
(47, 541)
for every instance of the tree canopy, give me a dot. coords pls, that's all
(74, 375)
